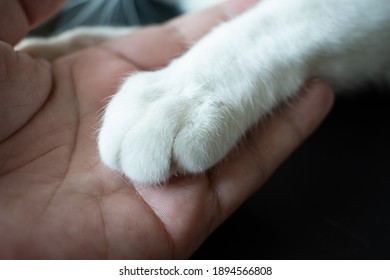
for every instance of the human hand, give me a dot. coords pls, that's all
(57, 200)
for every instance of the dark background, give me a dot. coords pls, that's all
(329, 200)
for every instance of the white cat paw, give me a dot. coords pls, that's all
(160, 123)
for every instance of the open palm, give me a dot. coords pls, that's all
(57, 200)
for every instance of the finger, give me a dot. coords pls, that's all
(17, 17)
(156, 46)
(269, 145)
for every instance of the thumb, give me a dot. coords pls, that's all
(270, 144)
(25, 84)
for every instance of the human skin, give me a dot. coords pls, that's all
(58, 201)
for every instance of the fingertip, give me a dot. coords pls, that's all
(38, 11)
(236, 7)
(193, 26)
(320, 97)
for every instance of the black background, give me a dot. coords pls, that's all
(329, 200)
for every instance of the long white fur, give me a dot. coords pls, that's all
(187, 116)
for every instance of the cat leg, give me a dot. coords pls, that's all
(70, 41)
(189, 115)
